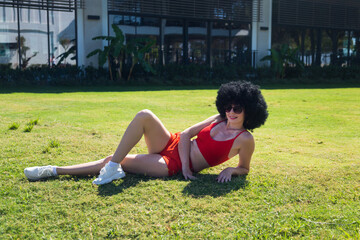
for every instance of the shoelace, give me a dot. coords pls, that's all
(45, 171)
(103, 171)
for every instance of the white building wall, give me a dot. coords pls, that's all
(33, 27)
(88, 29)
(261, 33)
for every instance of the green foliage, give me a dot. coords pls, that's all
(25, 59)
(56, 76)
(28, 128)
(282, 58)
(303, 183)
(52, 144)
(30, 125)
(69, 51)
(14, 126)
(33, 122)
(117, 51)
(173, 74)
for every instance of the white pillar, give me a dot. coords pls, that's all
(261, 32)
(80, 38)
(104, 20)
(92, 22)
(254, 40)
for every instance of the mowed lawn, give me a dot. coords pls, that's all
(304, 181)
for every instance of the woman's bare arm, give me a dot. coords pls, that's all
(247, 147)
(184, 143)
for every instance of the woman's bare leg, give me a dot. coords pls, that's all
(144, 123)
(148, 164)
(152, 165)
(85, 169)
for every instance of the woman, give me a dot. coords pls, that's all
(241, 107)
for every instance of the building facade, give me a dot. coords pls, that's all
(324, 31)
(38, 32)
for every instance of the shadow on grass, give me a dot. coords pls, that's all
(206, 185)
(113, 188)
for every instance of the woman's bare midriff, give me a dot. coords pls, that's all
(198, 161)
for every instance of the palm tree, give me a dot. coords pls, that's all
(137, 48)
(23, 49)
(282, 58)
(68, 51)
(117, 50)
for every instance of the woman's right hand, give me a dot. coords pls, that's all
(187, 173)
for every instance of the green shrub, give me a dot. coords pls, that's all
(33, 122)
(14, 126)
(52, 144)
(28, 128)
(332, 72)
(170, 74)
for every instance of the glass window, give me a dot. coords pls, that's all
(33, 43)
(174, 23)
(126, 23)
(8, 35)
(62, 38)
(3, 14)
(197, 41)
(220, 42)
(34, 36)
(173, 41)
(139, 27)
(149, 27)
(14, 15)
(240, 43)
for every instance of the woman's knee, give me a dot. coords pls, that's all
(107, 159)
(145, 114)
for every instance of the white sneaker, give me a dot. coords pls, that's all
(36, 173)
(108, 174)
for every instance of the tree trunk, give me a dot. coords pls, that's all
(318, 48)
(111, 76)
(303, 44)
(131, 69)
(120, 68)
(333, 34)
(312, 39)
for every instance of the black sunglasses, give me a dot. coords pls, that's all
(236, 108)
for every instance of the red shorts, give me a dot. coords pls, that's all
(171, 154)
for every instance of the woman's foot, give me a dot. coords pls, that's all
(37, 173)
(109, 174)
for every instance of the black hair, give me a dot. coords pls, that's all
(249, 97)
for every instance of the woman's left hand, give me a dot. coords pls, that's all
(225, 175)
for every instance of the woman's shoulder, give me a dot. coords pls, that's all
(218, 119)
(245, 138)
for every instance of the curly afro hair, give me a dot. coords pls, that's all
(246, 95)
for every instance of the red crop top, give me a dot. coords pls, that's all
(214, 152)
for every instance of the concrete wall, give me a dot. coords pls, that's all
(261, 33)
(90, 28)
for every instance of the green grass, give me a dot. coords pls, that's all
(14, 126)
(304, 181)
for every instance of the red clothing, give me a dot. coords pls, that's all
(171, 155)
(214, 152)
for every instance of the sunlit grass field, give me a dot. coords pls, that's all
(304, 181)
